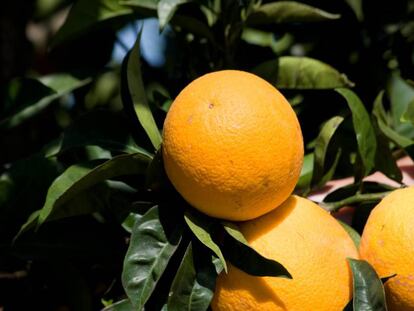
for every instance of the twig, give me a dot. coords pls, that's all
(357, 198)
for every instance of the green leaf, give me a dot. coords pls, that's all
(29, 97)
(82, 176)
(135, 100)
(267, 39)
(380, 117)
(408, 115)
(193, 25)
(356, 6)
(92, 130)
(194, 284)
(242, 256)
(401, 95)
(233, 230)
(364, 131)
(384, 159)
(166, 10)
(86, 15)
(122, 305)
(145, 4)
(321, 147)
(154, 240)
(368, 289)
(356, 238)
(203, 227)
(306, 172)
(288, 12)
(291, 72)
(139, 208)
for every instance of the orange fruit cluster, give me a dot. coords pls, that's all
(233, 148)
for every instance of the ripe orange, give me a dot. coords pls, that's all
(387, 243)
(232, 145)
(311, 244)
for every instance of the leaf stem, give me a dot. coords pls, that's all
(357, 198)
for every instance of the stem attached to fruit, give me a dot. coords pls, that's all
(357, 198)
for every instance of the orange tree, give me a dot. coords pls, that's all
(89, 219)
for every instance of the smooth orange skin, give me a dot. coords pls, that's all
(232, 145)
(313, 247)
(387, 243)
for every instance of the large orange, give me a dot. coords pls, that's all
(311, 244)
(388, 244)
(232, 145)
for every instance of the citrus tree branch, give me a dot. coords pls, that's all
(357, 198)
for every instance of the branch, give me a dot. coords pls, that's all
(357, 198)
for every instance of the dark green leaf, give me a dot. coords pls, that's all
(352, 233)
(86, 15)
(122, 305)
(321, 147)
(288, 12)
(291, 72)
(247, 259)
(93, 129)
(368, 289)
(166, 10)
(82, 176)
(203, 227)
(356, 6)
(364, 131)
(130, 220)
(136, 102)
(139, 208)
(194, 284)
(31, 96)
(193, 25)
(154, 240)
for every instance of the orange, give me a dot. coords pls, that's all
(387, 243)
(313, 247)
(232, 145)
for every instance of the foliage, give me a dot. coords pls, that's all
(82, 188)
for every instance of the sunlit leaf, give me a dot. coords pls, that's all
(194, 284)
(134, 96)
(288, 12)
(233, 230)
(364, 131)
(203, 227)
(166, 10)
(82, 176)
(154, 240)
(368, 289)
(291, 72)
